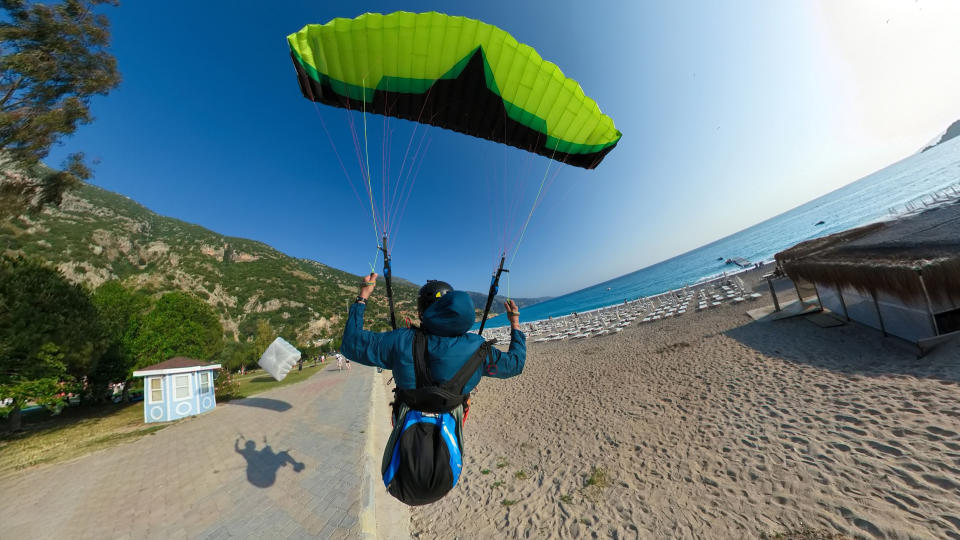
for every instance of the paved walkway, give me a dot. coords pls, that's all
(288, 463)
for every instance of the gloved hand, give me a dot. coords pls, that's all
(513, 314)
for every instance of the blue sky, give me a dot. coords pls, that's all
(731, 113)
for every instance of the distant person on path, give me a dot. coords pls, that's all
(339, 362)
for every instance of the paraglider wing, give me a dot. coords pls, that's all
(456, 73)
(279, 358)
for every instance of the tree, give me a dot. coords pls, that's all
(53, 60)
(49, 333)
(264, 337)
(178, 325)
(237, 354)
(121, 313)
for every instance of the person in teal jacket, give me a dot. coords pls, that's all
(445, 317)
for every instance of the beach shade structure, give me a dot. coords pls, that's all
(901, 277)
(279, 358)
(456, 73)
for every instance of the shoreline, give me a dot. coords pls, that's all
(751, 274)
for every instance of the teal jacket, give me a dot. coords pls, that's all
(449, 346)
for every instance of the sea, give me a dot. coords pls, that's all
(908, 184)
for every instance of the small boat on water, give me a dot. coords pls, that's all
(739, 261)
(821, 222)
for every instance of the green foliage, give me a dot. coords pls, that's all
(264, 337)
(178, 325)
(237, 354)
(121, 313)
(53, 60)
(41, 309)
(226, 386)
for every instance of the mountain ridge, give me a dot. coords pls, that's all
(953, 130)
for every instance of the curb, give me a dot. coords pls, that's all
(381, 516)
(368, 508)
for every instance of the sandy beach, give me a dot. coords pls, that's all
(711, 425)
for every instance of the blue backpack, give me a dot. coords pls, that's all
(423, 457)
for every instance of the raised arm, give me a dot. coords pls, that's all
(362, 346)
(508, 364)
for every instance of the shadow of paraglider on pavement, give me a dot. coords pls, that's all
(262, 465)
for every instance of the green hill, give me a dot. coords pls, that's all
(96, 235)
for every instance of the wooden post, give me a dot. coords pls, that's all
(773, 293)
(926, 295)
(817, 290)
(796, 287)
(843, 303)
(879, 316)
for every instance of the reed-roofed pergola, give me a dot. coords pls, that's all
(890, 256)
(915, 259)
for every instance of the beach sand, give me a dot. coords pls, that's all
(712, 426)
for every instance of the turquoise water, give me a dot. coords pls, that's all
(865, 201)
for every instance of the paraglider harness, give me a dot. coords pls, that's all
(424, 455)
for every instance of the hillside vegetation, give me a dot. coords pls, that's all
(96, 236)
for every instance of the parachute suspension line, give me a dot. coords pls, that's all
(413, 174)
(364, 173)
(339, 159)
(516, 248)
(413, 181)
(367, 153)
(401, 183)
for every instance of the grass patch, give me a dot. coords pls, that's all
(508, 502)
(566, 498)
(485, 471)
(520, 475)
(598, 478)
(497, 484)
(502, 462)
(74, 432)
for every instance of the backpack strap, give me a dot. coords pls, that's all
(421, 366)
(462, 377)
